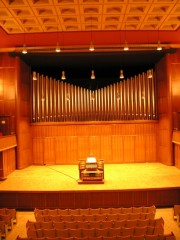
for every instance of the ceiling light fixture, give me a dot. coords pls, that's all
(92, 75)
(149, 74)
(121, 76)
(63, 77)
(126, 48)
(91, 47)
(159, 47)
(58, 48)
(24, 50)
(34, 76)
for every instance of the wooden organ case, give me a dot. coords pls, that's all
(91, 171)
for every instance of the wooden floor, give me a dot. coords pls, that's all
(57, 186)
(117, 177)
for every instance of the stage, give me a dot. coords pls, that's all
(124, 184)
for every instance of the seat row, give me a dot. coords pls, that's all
(95, 224)
(9, 211)
(3, 229)
(79, 211)
(176, 213)
(95, 232)
(95, 217)
(7, 219)
(169, 236)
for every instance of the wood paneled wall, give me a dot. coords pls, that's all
(7, 162)
(168, 89)
(115, 142)
(164, 112)
(23, 110)
(177, 155)
(84, 199)
(8, 90)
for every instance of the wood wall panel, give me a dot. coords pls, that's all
(151, 148)
(49, 150)
(177, 155)
(83, 147)
(164, 144)
(38, 151)
(129, 149)
(95, 146)
(117, 150)
(60, 150)
(23, 111)
(106, 146)
(140, 149)
(85, 199)
(72, 150)
(7, 162)
(124, 144)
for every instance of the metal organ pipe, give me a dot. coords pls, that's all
(54, 100)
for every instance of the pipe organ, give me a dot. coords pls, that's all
(58, 101)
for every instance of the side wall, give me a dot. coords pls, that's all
(115, 142)
(23, 111)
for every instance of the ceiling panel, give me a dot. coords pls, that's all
(38, 16)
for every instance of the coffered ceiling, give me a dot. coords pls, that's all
(38, 16)
(40, 24)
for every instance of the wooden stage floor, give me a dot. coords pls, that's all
(117, 177)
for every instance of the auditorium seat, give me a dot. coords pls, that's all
(33, 225)
(126, 210)
(139, 237)
(114, 232)
(131, 223)
(56, 218)
(59, 225)
(71, 225)
(126, 231)
(63, 233)
(176, 212)
(106, 224)
(123, 216)
(152, 237)
(110, 238)
(102, 217)
(106, 210)
(134, 216)
(34, 233)
(140, 231)
(74, 211)
(112, 217)
(63, 211)
(101, 232)
(3, 229)
(123, 238)
(80, 218)
(116, 210)
(137, 209)
(169, 236)
(52, 212)
(47, 225)
(67, 218)
(88, 232)
(149, 209)
(75, 233)
(7, 218)
(84, 211)
(94, 211)
(143, 222)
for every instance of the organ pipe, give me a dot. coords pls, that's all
(128, 99)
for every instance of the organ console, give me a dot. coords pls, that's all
(91, 170)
